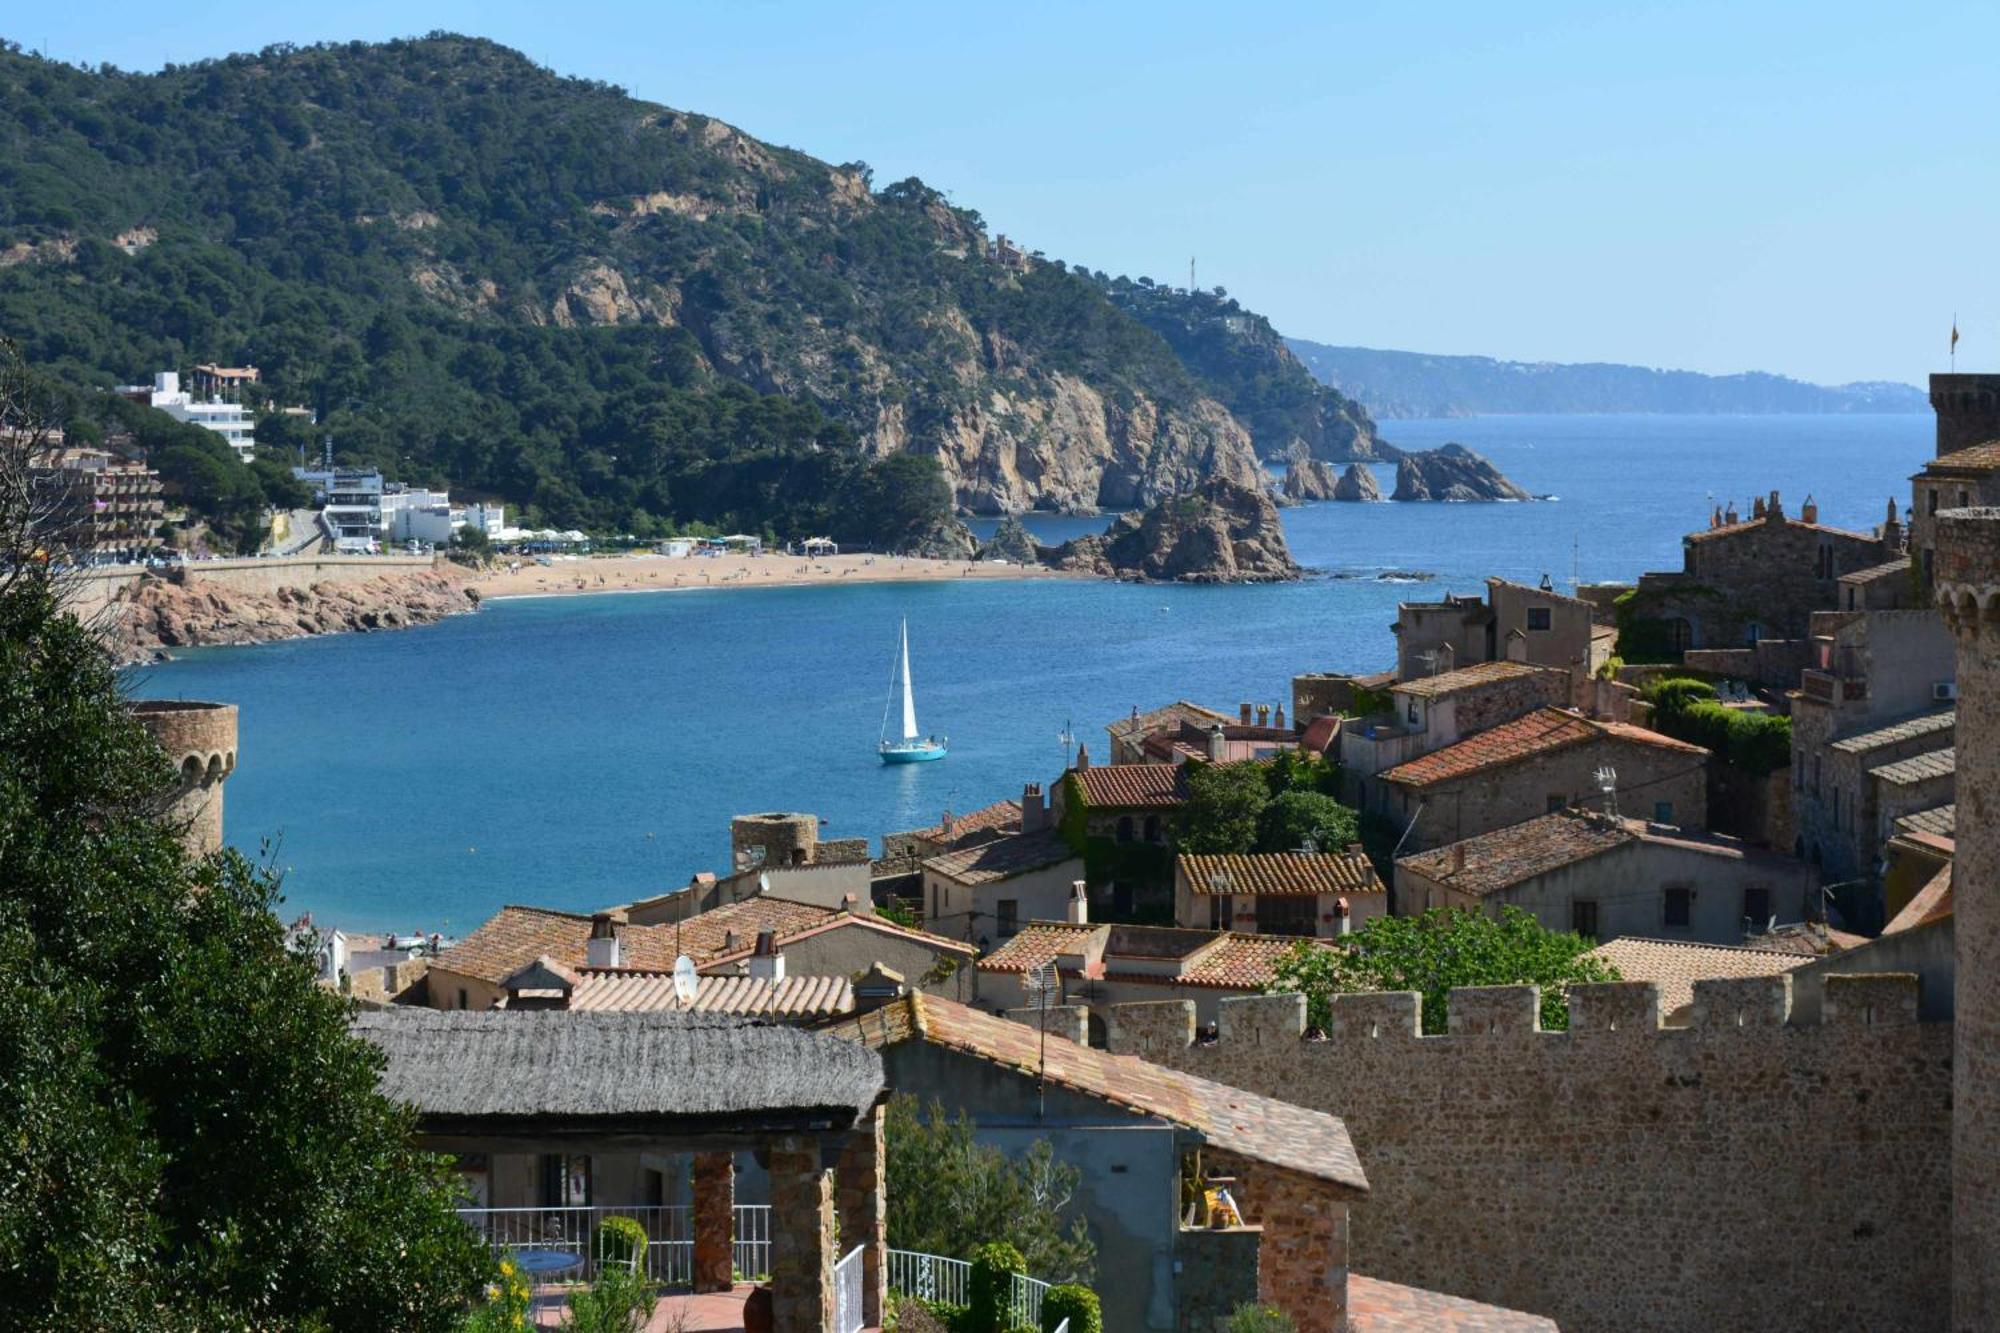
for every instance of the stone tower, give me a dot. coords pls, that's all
(1968, 410)
(1968, 595)
(778, 839)
(200, 739)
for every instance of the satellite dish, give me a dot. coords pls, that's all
(764, 882)
(685, 981)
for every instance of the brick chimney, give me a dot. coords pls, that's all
(1034, 808)
(1078, 913)
(1263, 715)
(1809, 511)
(1457, 857)
(767, 960)
(1278, 718)
(601, 949)
(1243, 713)
(1082, 757)
(1217, 742)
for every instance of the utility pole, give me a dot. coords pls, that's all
(1190, 275)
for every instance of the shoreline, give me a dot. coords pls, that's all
(578, 576)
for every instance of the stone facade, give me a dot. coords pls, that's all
(1432, 712)
(778, 839)
(1968, 592)
(802, 1236)
(200, 740)
(1218, 1273)
(1302, 1260)
(1740, 1173)
(863, 1207)
(714, 1200)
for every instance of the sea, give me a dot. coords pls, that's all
(577, 752)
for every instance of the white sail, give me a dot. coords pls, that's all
(909, 699)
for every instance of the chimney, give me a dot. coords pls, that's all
(1217, 743)
(1730, 517)
(876, 987)
(1278, 719)
(1263, 715)
(767, 961)
(729, 941)
(1082, 757)
(601, 949)
(1774, 511)
(945, 824)
(1034, 808)
(1756, 507)
(848, 903)
(1342, 919)
(1243, 713)
(1892, 529)
(1079, 904)
(1715, 519)
(1457, 857)
(1809, 511)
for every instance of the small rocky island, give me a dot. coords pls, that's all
(1308, 478)
(1219, 532)
(1357, 483)
(1452, 472)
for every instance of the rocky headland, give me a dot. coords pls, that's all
(1218, 532)
(156, 615)
(1452, 472)
(1012, 541)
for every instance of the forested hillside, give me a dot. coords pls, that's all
(541, 289)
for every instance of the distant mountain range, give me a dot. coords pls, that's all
(1415, 384)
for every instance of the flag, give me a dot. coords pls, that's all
(1954, 335)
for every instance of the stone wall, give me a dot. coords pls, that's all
(1488, 705)
(97, 589)
(1741, 1173)
(200, 742)
(1218, 1273)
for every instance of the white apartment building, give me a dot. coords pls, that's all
(351, 504)
(232, 421)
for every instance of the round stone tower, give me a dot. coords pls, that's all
(1968, 596)
(1968, 410)
(773, 840)
(200, 738)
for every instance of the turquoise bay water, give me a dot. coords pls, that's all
(574, 752)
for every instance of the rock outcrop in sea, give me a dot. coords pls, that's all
(1453, 472)
(946, 539)
(1357, 483)
(1219, 532)
(156, 615)
(1308, 478)
(1011, 541)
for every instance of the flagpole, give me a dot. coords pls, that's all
(1954, 342)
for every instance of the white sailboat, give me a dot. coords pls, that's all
(912, 747)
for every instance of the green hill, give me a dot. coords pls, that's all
(538, 288)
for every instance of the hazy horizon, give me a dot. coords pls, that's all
(1718, 188)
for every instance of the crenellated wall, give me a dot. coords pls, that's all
(1744, 1172)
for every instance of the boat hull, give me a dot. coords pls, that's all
(920, 753)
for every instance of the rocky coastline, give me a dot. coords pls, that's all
(1452, 472)
(1219, 532)
(157, 615)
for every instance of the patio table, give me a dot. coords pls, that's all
(544, 1266)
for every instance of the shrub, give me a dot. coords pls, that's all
(617, 1301)
(1259, 1319)
(1077, 1304)
(505, 1307)
(618, 1239)
(1685, 708)
(990, 1288)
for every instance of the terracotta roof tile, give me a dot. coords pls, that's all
(1675, 965)
(1283, 874)
(1909, 729)
(1129, 786)
(1036, 943)
(1467, 678)
(1321, 732)
(1979, 457)
(808, 997)
(1289, 1137)
(1513, 855)
(1932, 903)
(1003, 858)
(1220, 959)
(1142, 724)
(1751, 525)
(1543, 731)
(1001, 816)
(1386, 1307)
(1239, 962)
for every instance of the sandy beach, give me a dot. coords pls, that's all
(571, 575)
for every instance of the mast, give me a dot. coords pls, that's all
(909, 698)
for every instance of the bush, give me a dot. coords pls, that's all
(990, 1289)
(1685, 708)
(1077, 1304)
(1259, 1319)
(618, 1239)
(617, 1301)
(1296, 817)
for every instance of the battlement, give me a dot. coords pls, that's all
(1153, 1028)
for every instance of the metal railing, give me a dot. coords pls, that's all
(932, 1277)
(1028, 1293)
(1063, 1327)
(847, 1284)
(669, 1236)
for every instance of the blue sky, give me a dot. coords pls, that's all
(1803, 188)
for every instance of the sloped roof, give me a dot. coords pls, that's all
(1132, 727)
(1932, 903)
(492, 1065)
(867, 921)
(1283, 874)
(1520, 852)
(632, 990)
(1977, 458)
(1236, 962)
(1753, 524)
(1308, 1143)
(1001, 816)
(1928, 724)
(1003, 858)
(1036, 943)
(1321, 732)
(733, 926)
(1221, 959)
(1543, 731)
(1940, 821)
(1374, 1306)
(1675, 965)
(1918, 768)
(1117, 786)
(1466, 678)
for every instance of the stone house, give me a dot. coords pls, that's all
(1278, 893)
(1121, 819)
(1604, 878)
(1922, 844)
(1837, 807)
(1103, 965)
(1673, 966)
(1512, 623)
(1318, 694)
(1744, 581)
(986, 892)
(1543, 762)
(1432, 712)
(1956, 480)
(1128, 735)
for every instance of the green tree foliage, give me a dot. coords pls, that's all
(1224, 806)
(1294, 818)
(989, 1290)
(1687, 709)
(1266, 807)
(950, 1194)
(1079, 1305)
(1259, 1319)
(193, 1138)
(1434, 952)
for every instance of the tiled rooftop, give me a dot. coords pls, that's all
(1386, 1307)
(1918, 768)
(1238, 962)
(1894, 569)
(794, 997)
(1003, 858)
(1292, 1138)
(1909, 729)
(1977, 458)
(1932, 903)
(1509, 856)
(1142, 724)
(1750, 525)
(1036, 943)
(1123, 786)
(1939, 821)
(1466, 678)
(1282, 874)
(1543, 731)
(1675, 965)
(1227, 960)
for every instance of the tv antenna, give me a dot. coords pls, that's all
(1607, 782)
(1190, 275)
(1066, 738)
(686, 983)
(1044, 986)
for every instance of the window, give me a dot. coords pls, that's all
(1411, 712)
(1663, 812)
(1124, 828)
(461, 997)
(1538, 617)
(1679, 908)
(1756, 909)
(1680, 635)
(1152, 828)
(1583, 917)
(1931, 502)
(1556, 801)
(1287, 916)
(1754, 631)
(1228, 913)
(1215, 912)
(1009, 912)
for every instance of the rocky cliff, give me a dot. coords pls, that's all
(1357, 483)
(157, 615)
(1453, 472)
(1219, 532)
(1308, 479)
